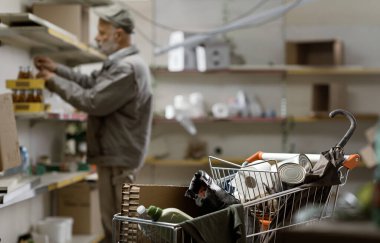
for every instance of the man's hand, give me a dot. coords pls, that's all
(45, 63)
(45, 74)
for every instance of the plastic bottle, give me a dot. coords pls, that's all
(169, 215)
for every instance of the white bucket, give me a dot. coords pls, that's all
(59, 229)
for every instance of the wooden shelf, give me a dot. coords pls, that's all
(297, 119)
(52, 116)
(84, 2)
(332, 71)
(285, 70)
(159, 120)
(271, 70)
(45, 38)
(319, 118)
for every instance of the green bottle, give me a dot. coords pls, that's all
(169, 215)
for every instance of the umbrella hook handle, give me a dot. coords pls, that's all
(352, 128)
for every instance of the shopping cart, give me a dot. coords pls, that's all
(268, 206)
(269, 209)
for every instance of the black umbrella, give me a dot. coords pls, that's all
(326, 170)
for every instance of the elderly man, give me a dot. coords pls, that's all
(118, 100)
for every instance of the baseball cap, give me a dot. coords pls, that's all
(117, 15)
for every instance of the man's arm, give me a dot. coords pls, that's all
(45, 64)
(86, 81)
(104, 98)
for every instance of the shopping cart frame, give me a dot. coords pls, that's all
(253, 207)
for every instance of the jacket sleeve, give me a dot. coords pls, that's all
(86, 81)
(108, 95)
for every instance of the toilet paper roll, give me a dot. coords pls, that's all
(252, 181)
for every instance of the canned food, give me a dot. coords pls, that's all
(291, 174)
(305, 162)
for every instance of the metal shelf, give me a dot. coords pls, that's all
(44, 38)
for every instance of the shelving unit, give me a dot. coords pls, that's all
(46, 116)
(258, 120)
(50, 182)
(285, 70)
(42, 37)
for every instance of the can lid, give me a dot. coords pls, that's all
(292, 173)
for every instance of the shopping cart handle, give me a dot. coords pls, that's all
(352, 161)
(256, 156)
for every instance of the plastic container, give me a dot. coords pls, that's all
(58, 229)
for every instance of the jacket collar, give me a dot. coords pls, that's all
(123, 53)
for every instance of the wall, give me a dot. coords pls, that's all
(350, 21)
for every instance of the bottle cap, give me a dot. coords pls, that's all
(140, 209)
(154, 212)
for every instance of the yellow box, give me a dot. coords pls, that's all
(26, 84)
(29, 107)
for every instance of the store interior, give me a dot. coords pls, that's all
(246, 77)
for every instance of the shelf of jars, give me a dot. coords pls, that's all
(42, 37)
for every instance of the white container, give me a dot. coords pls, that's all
(58, 229)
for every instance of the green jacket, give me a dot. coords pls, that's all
(118, 100)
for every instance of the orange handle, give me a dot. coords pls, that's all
(256, 156)
(352, 161)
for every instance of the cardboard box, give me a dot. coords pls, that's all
(317, 52)
(71, 17)
(163, 196)
(81, 202)
(134, 195)
(9, 145)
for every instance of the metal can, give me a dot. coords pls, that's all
(292, 174)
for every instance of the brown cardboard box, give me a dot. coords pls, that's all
(163, 196)
(71, 17)
(317, 52)
(80, 201)
(134, 195)
(9, 146)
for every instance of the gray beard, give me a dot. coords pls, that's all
(108, 47)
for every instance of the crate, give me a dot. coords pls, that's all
(314, 52)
